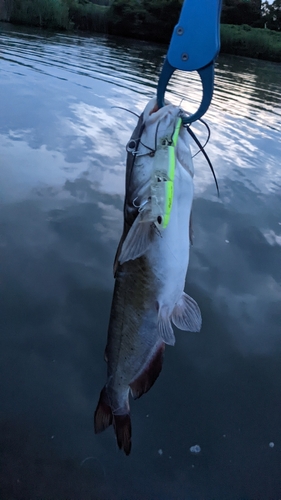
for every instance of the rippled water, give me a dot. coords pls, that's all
(62, 152)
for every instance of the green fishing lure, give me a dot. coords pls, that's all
(162, 181)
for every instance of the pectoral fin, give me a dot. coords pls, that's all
(138, 239)
(186, 314)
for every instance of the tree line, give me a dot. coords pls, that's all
(252, 12)
(146, 19)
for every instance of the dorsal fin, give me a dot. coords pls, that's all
(150, 373)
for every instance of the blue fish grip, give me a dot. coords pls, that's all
(194, 46)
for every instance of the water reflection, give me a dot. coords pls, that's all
(61, 187)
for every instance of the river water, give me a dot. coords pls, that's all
(62, 152)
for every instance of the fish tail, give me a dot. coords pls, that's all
(104, 417)
(123, 430)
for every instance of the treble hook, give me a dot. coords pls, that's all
(141, 206)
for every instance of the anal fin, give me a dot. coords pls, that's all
(148, 376)
(187, 315)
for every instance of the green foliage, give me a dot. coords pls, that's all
(89, 17)
(146, 19)
(271, 15)
(241, 12)
(45, 13)
(105, 3)
(251, 42)
(155, 19)
(61, 14)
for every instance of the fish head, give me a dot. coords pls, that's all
(170, 157)
(153, 158)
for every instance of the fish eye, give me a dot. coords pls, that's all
(159, 219)
(131, 146)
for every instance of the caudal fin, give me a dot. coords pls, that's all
(104, 417)
(103, 414)
(123, 430)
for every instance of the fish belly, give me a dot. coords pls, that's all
(169, 253)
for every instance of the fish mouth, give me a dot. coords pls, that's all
(154, 109)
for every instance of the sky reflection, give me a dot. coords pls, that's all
(61, 193)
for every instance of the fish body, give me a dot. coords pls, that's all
(150, 265)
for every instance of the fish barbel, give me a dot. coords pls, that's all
(150, 265)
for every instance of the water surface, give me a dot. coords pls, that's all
(62, 152)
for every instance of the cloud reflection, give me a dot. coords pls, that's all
(62, 182)
(236, 264)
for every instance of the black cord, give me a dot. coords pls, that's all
(202, 150)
